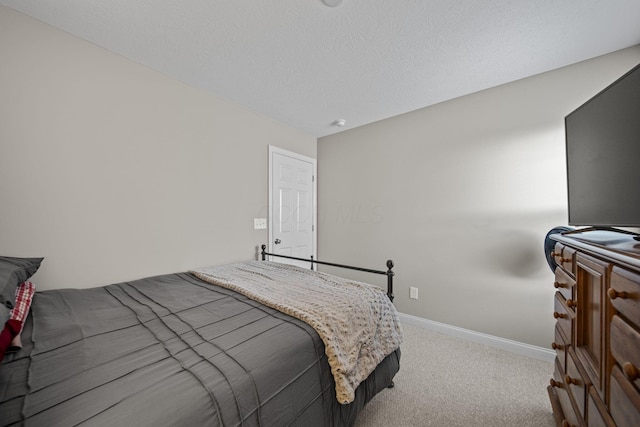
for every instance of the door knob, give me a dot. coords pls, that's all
(278, 241)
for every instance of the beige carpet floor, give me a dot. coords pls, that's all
(447, 381)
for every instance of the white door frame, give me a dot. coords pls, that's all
(314, 198)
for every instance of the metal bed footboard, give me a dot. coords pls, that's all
(389, 273)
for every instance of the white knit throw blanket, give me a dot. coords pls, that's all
(356, 321)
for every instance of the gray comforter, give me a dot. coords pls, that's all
(171, 350)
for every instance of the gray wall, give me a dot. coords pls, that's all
(461, 195)
(112, 171)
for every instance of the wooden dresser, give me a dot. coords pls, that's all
(596, 381)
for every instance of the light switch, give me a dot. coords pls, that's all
(259, 223)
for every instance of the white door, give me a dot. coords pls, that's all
(292, 206)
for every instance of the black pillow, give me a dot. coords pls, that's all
(14, 271)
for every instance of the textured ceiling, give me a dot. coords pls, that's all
(307, 65)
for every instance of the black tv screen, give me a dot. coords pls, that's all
(603, 156)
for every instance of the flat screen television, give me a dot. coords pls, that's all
(603, 157)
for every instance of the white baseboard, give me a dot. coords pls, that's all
(480, 338)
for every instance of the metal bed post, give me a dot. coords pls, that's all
(390, 275)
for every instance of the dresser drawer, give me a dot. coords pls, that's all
(567, 415)
(576, 382)
(565, 257)
(624, 294)
(569, 260)
(560, 346)
(625, 348)
(625, 401)
(565, 284)
(563, 314)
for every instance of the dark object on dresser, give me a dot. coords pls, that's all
(596, 381)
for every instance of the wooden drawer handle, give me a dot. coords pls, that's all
(613, 294)
(630, 371)
(571, 303)
(558, 285)
(559, 315)
(553, 254)
(555, 383)
(556, 346)
(570, 380)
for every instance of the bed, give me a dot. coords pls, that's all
(192, 348)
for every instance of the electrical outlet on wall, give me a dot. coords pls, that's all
(413, 293)
(259, 223)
